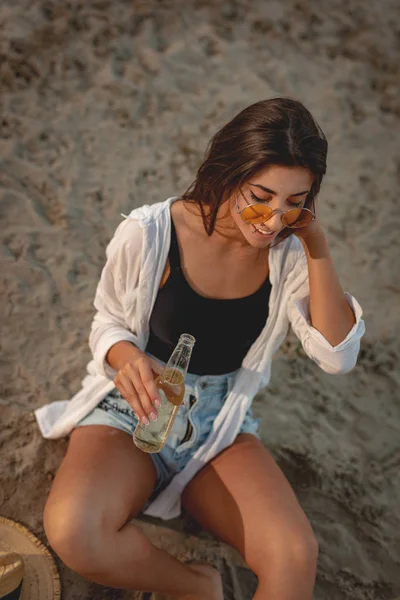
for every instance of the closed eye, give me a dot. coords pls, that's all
(264, 200)
(257, 199)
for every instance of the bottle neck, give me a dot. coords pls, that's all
(180, 358)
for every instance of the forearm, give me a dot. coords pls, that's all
(121, 353)
(330, 312)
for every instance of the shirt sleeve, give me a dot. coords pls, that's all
(332, 359)
(120, 273)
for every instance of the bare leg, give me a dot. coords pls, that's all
(251, 506)
(104, 481)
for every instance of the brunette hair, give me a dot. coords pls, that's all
(278, 131)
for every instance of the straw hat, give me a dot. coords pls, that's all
(27, 569)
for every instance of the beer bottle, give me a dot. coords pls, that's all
(171, 384)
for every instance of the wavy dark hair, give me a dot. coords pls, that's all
(277, 131)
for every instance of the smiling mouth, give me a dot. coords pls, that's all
(262, 231)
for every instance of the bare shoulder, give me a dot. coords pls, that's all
(189, 230)
(187, 219)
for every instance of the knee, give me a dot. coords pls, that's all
(75, 535)
(289, 549)
(303, 550)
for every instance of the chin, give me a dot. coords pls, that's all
(260, 243)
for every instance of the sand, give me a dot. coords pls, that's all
(109, 105)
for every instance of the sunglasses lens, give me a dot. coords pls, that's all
(297, 217)
(256, 213)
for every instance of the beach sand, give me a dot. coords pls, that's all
(110, 105)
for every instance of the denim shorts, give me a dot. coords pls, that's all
(203, 399)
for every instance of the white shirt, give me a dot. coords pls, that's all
(124, 300)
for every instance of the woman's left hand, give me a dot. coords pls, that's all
(312, 229)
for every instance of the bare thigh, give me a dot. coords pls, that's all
(103, 481)
(250, 504)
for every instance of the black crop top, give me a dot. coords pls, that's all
(224, 329)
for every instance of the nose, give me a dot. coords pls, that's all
(274, 223)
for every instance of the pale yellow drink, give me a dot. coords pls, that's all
(171, 385)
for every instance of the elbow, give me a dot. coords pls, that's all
(92, 340)
(335, 360)
(98, 329)
(338, 368)
(98, 345)
(338, 363)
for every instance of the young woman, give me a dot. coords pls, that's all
(233, 261)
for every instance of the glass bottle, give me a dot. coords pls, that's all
(171, 385)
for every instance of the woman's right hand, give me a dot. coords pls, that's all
(135, 381)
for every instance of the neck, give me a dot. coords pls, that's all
(226, 235)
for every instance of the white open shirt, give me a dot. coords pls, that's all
(124, 300)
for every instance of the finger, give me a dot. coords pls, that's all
(128, 391)
(156, 366)
(140, 389)
(146, 374)
(154, 373)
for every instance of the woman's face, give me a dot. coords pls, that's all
(285, 188)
